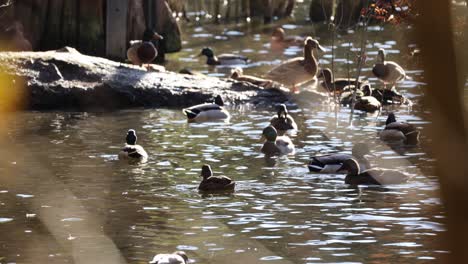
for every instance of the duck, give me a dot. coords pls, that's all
(207, 111)
(367, 104)
(390, 97)
(282, 121)
(375, 176)
(346, 95)
(399, 131)
(333, 162)
(297, 71)
(337, 84)
(274, 144)
(223, 59)
(388, 72)
(131, 150)
(279, 40)
(214, 183)
(143, 51)
(238, 74)
(178, 257)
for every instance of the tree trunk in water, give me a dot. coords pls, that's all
(444, 94)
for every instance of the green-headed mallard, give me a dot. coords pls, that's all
(223, 59)
(143, 51)
(131, 150)
(207, 111)
(274, 144)
(298, 70)
(282, 121)
(399, 131)
(388, 72)
(238, 74)
(214, 183)
(178, 257)
(375, 176)
(338, 84)
(333, 162)
(279, 40)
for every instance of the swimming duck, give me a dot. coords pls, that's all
(214, 183)
(274, 144)
(238, 74)
(131, 150)
(282, 121)
(339, 84)
(399, 131)
(333, 162)
(298, 70)
(367, 104)
(207, 111)
(280, 41)
(223, 59)
(178, 257)
(388, 72)
(375, 176)
(388, 97)
(143, 51)
(347, 93)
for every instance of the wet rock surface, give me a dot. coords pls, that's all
(66, 79)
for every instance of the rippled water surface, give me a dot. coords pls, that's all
(64, 196)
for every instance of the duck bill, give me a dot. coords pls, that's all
(321, 48)
(199, 54)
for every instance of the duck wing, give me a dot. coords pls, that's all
(228, 56)
(134, 151)
(291, 72)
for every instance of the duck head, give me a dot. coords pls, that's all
(326, 74)
(182, 254)
(311, 43)
(351, 166)
(219, 100)
(381, 56)
(282, 109)
(390, 119)
(270, 134)
(366, 89)
(131, 137)
(360, 150)
(208, 52)
(278, 34)
(206, 171)
(150, 35)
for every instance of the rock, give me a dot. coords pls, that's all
(66, 79)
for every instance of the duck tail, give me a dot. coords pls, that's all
(190, 114)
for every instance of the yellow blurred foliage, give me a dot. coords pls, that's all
(12, 94)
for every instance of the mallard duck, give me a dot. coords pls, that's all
(238, 74)
(143, 51)
(131, 150)
(178, 257)
(388, 72)
(399, 131)
(375, 176)
(338, 84)
(388, 97)
(207, 111)
(274, 144)
(280, 41)
(298, 70)
(223, 59)
(346, 95)
(367, 104)
(333, 162)
(282, 121)
(214, 183)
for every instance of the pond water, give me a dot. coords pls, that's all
(64, 196)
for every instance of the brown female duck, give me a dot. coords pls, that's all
(388, 72)
(375, 176)
(337, 84)
(214, 183)
(143, 51)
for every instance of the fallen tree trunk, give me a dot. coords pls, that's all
(66, 79)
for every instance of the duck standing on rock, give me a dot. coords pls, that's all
(388, 72)
(333, 162)
(274, 144)
(131, 150)
(282, 121)
(178, 257)
(143, 51)
(279, 40)
(399, 131)
(207, 111)
(298, 70)
(214, 183)
(375, 176)
(223, 59)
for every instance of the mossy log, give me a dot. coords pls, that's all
(66, 79)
